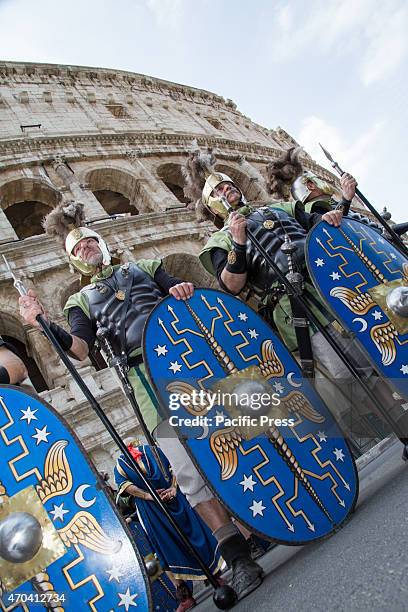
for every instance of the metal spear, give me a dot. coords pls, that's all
(395, 238)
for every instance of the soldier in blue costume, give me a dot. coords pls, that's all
(165, 542)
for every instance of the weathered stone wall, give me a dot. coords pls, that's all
(114, 139)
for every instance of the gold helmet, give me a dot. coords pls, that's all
(66, 223)
(215, 203)
(73, 238)
(201, 178)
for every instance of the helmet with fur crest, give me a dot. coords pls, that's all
(67, 223)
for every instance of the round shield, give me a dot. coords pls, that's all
(364, 280)
(61, 540)
(258, 433)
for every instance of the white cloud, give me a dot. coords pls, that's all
(166, 12)
(387, 45)
(373, 32)
(357, 155)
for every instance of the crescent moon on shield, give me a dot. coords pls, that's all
(79, 497)
(204, 434)
(290, 380)
(363, 322)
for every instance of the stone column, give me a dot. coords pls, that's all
(93, 208)
(154, 194)
(7, 232)
(47, 360)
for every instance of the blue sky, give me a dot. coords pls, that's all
(328, 70)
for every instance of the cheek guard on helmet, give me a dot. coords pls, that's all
(214, 203)
(300, 191)
(72, 239)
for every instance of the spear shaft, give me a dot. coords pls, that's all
(394, 237)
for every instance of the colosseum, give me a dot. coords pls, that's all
(116, 141)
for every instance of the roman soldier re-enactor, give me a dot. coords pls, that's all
(12, 368)
(120, 297)
(288, 180)
(237, 264)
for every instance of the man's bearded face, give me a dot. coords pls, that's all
(229, 191)
(88, 251)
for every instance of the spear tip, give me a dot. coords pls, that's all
(327, 154)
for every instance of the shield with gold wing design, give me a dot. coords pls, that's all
(364, 280)
(258, 433)
(62, 543)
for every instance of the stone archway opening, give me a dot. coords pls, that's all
(188, 268)
(116, 190)
(26, 218)
(114, 203)
(25, 203)
(12, 331)
(172, 177)
(34, 373)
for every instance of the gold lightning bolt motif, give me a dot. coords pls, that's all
(278, 441)
(91, 578)
(211, 309)
(17, 440)
(223, 359)
(342, 267)
(378, 275)
(245, 342)
(327, 463)
(189, 350)
(280, 493)
(226, 451)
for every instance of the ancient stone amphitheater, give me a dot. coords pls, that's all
(115, 141)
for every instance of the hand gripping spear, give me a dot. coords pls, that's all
(304, 306)
(224, 596)
(394, 236)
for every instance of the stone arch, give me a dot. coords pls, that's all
(12, 331)
(242, 180)
(171, 175)
(117, 190)
(188, 267)
(25, 203)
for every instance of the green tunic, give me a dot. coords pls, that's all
(137, 376)
(282, 313)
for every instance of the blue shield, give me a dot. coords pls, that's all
(61, 539)
(363, 279)
(260, 436)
